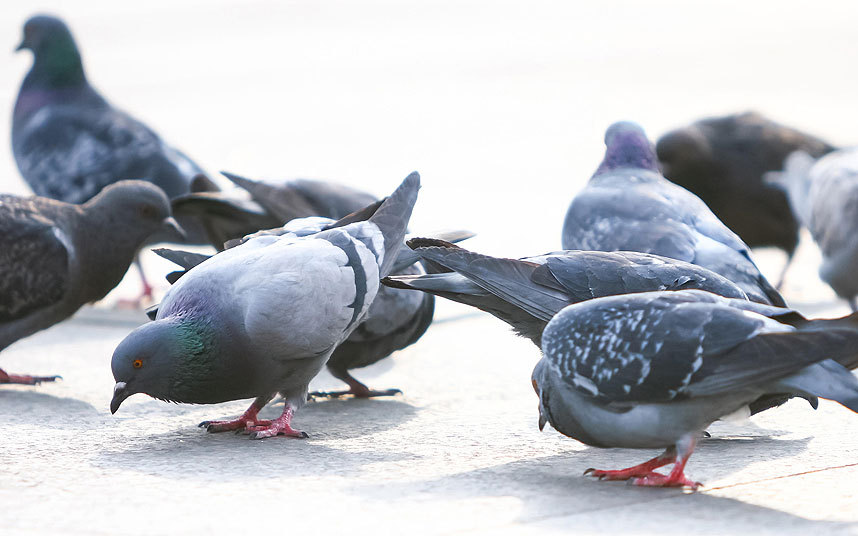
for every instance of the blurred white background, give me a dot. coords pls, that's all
(501, 105)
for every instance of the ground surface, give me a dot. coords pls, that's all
(460, 452)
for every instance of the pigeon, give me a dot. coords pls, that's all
(69, 142)
(51, 263)
(396, 319)
(629, 206)
(653, 370)
(264, 317)
(824, 197)
(227, 217)
(723, 160)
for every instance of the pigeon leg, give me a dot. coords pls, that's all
(645, 469)
(676, 478)
(356, 388)
(25, 379)
(784, 271)
(279, 426)
(247, 419)
(145, 296)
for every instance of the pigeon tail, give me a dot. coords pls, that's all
(509, 279)
(826, 379)
(392, 218)
(847, 326)
(795, 181)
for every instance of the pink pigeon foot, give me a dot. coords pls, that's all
(247, 420)
(642, 470)
(279, 426)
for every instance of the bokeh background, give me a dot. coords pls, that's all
(501, 105)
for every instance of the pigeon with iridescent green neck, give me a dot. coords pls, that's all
(264, 317)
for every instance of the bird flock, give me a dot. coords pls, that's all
(653, 320)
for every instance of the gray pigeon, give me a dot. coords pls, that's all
(396, 319)
(723, 160)
(264, 317)
(653, 370)
(629, 206)
(225, 216)
(824, 197)
(55, 256)
(69, 142)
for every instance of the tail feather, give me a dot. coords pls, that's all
(407, 256)
(392, 218)
(282, 202)
(509, 279)
(826, 379)
(847, 326)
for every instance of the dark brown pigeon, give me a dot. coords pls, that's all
(56, 256)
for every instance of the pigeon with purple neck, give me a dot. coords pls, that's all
(628, 205)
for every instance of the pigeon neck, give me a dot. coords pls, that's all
(56, 76)
(629, 153)
(56, 68)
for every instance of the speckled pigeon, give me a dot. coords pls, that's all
(264, 317)
(69, 142)
(55, 256)
(653, 370)
(824, 195)
(723, 160)
(224, 216)
(629, 206)
(396, 319)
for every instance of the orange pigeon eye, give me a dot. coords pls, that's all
(138, 363)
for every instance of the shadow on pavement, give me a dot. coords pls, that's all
(191, 452)
(554, 487)
(31, 407)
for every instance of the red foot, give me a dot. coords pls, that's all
(659, 480)
(245, 422)
(26, 379)
(642, 470)
(279, 426)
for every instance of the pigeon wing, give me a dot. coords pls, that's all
(34, 260)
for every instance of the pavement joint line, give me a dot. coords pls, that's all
(812, 471)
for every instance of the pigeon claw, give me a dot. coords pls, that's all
(274, 430)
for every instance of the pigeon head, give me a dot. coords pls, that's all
(134, 209)
(681, 149)
(158, 359)
(627, 147)
(57, 61)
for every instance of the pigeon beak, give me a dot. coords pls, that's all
(21, 47)
(542, 421)
(173, 227)
(120, 393)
